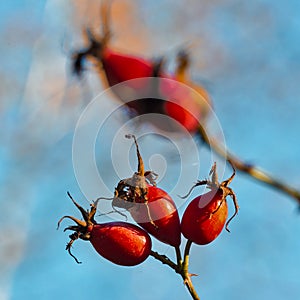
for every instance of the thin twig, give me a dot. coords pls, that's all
(182, 271)
(178, 256)
(165, 260)
(186, 255)
(249, 169)
(185, 272)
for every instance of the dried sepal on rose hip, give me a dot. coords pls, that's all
(206, 215)
(119, 242)
(151, 207)
(96, 45)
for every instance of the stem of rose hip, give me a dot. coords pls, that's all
(251, 170)
(185, 272)
(186, 256)
(178, 256)
(180, 268)
(141, 168)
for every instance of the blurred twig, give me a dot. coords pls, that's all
(251, 170)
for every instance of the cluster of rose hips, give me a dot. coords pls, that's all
(151, 207)
(177, 97)
(155, 212)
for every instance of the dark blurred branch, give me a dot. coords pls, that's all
(249, 169)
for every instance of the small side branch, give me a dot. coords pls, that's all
(165, 260)
(181, 269)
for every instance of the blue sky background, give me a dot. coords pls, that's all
(246, 54)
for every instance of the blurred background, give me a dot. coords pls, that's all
(246, 54)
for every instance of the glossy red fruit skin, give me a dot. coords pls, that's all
(121, 243)
(163, 213)
(204, 218)
(181, 115)
(121, 67)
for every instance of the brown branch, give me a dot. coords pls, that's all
(165, 260)
(185, 272)
(251, 170)
(181, 269)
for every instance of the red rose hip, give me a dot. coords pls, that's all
(205, 217)
(119, 67)
(151, 207)
(158, 216)
(189, 103)
(119, 242)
